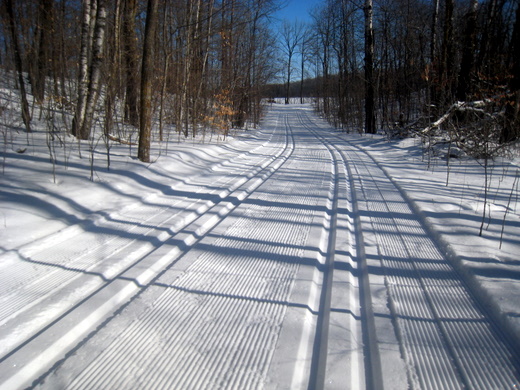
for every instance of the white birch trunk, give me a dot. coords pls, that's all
(95, 71)
(81, 105)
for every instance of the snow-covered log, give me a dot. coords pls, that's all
(475, 106)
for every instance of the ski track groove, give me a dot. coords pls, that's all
(258, 178)
(414, 295)
(91, 373)
(466, 363)
(194, 277)
(215, 325)
(224, 296)
(72, 256)
(434, 330)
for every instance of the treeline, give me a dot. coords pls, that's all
(418, 63)
(194, 64)
(305, 88)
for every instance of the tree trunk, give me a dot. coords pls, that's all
(131, 63)
(468, 54)
(197, 71)
(288, 83)
(291, 35)
(202, 87)
(370, 116)
(81, 105)
(59, 56)
(302, 70)
(511, 128)
(43, 34)
(146, 82)
(433, 72)
(447, 64)
(26, 117)
(95, 68)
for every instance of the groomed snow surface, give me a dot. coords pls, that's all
(292, 256)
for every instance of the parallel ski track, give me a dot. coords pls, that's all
(116, 244)
(113, 233)
(216, 325)
(105, 252)
(448, 341)
(173, 243)
(218, 322)
(371, 377)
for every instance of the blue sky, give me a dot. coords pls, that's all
(297, 10)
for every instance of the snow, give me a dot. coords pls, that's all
(453, 216)
(216, 254)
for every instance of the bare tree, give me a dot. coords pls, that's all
(43, 36)
(131, 58)
(146, 82)
(511, 128)
(468, 53)
(95, 68)
(304, 46)
(291, 35)
(447, 60)
(324, 28)
(370, 116)
(81, 103)
(26, 116)
(91, 61)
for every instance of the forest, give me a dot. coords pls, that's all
(137, 71)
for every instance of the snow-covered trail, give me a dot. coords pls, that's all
(445, 338)
(293, 262)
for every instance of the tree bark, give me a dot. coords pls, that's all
(468, 54)
(146, 82)
(81, 105)
(447, 64)
(131, 63)
(95, 68)
(26, 116)
(433, 70)
(43, 34)
(511, 128)
(303, 48)
(370, 116)
(291, 35)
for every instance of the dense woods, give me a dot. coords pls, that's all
(191, 66)
(415, 65)
(143, 69)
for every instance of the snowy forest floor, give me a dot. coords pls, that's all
(290, 256)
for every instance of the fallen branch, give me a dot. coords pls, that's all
(475, 106)
(120, 140)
